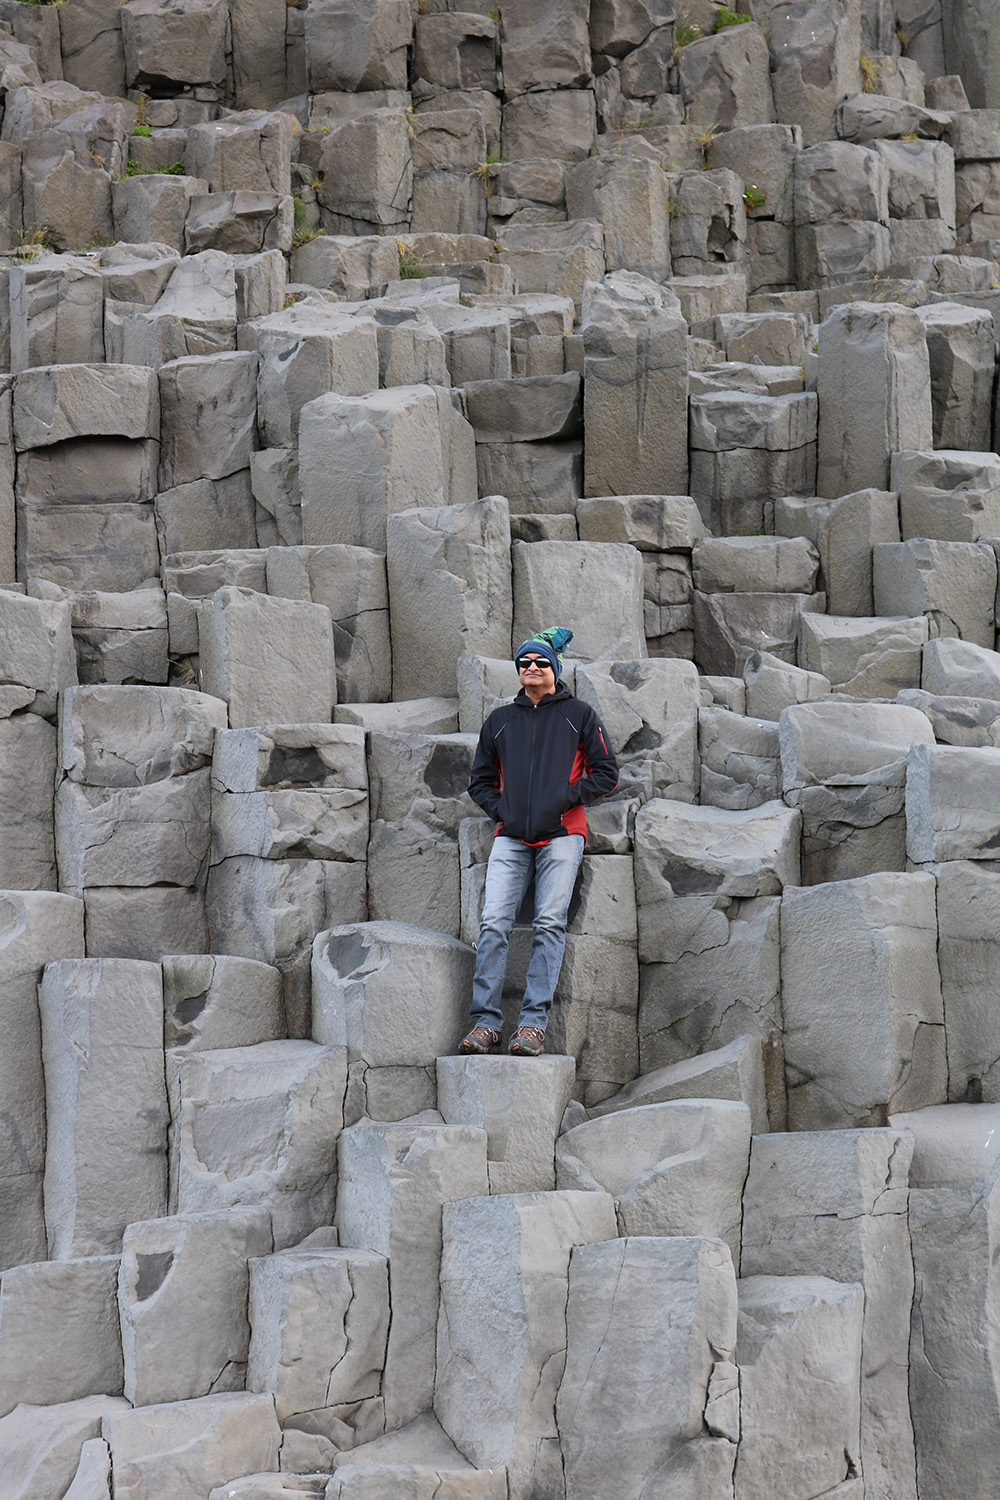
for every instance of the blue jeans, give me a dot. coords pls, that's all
(555, 867)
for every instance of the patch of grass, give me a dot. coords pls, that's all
(136, 169)
(753, 197)
(142, 130)
(31, 241)
(725, 17)
(901, 37)
(494, 13)
(704, 137)
(673, 208)
(302, 230)
(410, 268)
(141, 102)
(870, 74)
(686, 33)
(485, 172)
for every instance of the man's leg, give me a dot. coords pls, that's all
(507, 876)
(556, 866)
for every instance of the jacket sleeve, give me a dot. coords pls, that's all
(601, 767)
(484, 782)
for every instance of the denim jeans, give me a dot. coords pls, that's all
(511, 864)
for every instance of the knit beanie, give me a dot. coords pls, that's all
(550, 643)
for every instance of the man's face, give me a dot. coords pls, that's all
(535, 671)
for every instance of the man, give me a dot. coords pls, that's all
(540, 761)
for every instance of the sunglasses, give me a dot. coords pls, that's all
(524, 662)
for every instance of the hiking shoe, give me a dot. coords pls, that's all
(480, 1039)
(527, 1041)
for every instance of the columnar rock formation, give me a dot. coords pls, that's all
(343, 344)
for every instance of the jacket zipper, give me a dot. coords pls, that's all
(531, 760)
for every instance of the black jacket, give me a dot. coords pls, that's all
(537, 768)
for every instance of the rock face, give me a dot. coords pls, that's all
(343, 346)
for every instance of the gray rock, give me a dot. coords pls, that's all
(320, 1320)
(773, 685)
(550, 578)
(351, 582)
(56, 312)
(865, 658)
(271, 910)
(246, 642)
(731, 628)
(351, 266)
(226, 1435)
(740, 768)
(41, 1444)
(36, 651)
(134, 736)
(367, 978)
(217, 1000)
(845, 743)
(732, 1072)
(92, 1480)
(846, 1218)
(455, 52)
(874, 392)
(798, 1348)
(449, 575)
(258, 1126)
(290, 791)
(948, 495)
(754, 565)
(424, 1167)
(71, 401)
(664, 1403)
(952, 1181)
(558, 259)
(520, 1108)
(411, 1460)
(248, 152)
(952, 582)
(102, 1047)
(952, 666)
(153, 207)
(367, 173)
(628, 198)
(144, 922)
(862, 1000)
(653, 523)
(747, 450)
(560, 122)
(959, 345)
(844, 531)
(60, 1339)
(208, 417)
(709, 226)
(814, 53)
(966, 893)
(27, 776)
(725, 79)
(353, 47)
(390, 451)
(956, 719)
(674, 1168)
(950, 805)
(649, 708)
(182, 1296)
(505, 1265)
(305, 352)
(150, 835)
(185, 46)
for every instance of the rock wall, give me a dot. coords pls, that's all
(343, 344)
